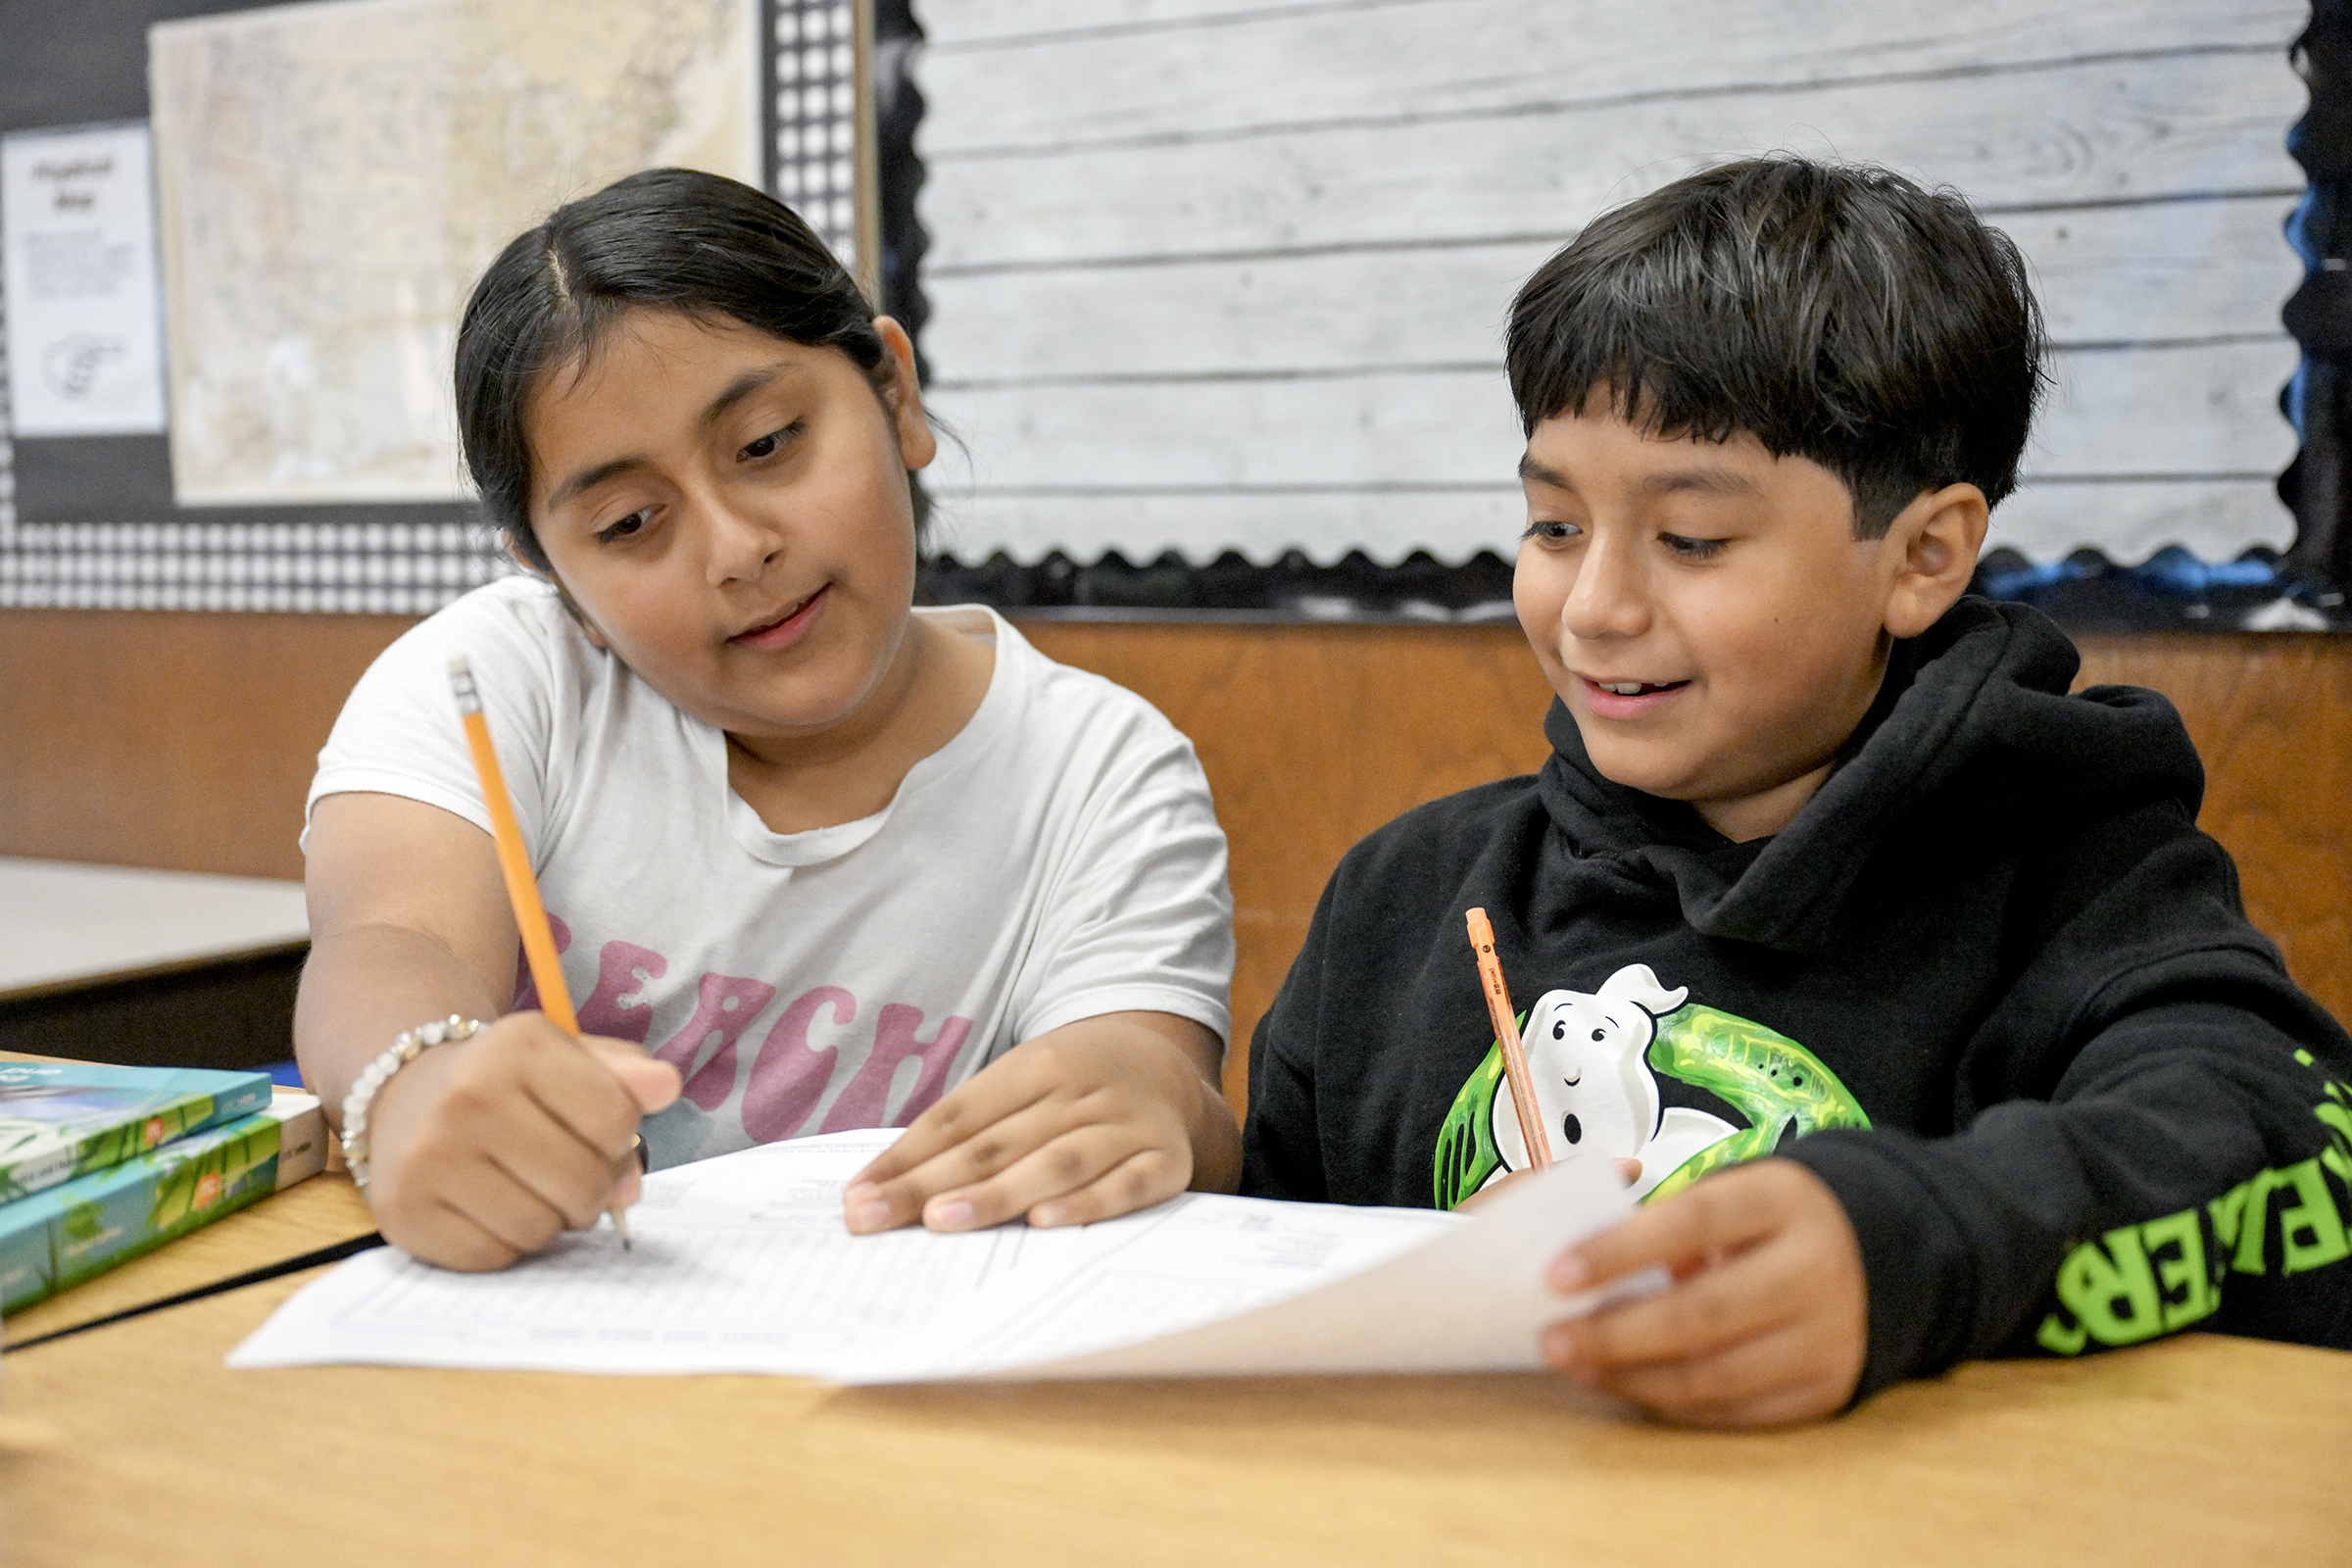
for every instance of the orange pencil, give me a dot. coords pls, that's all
(514, 864)
(1506, 1031)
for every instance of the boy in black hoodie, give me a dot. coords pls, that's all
(1827, 865)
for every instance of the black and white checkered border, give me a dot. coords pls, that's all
(393, 567)
(815, 156)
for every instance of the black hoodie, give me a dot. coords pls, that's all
(1991, 984)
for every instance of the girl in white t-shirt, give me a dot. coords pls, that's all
(814, 858)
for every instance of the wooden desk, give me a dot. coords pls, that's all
(157, 968)
(134, 1445)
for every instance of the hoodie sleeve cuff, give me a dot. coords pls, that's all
(1914, 1260)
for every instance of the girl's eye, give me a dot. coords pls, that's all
(767, 444)
(623, 528)
(1692, 549)
(1551, 532)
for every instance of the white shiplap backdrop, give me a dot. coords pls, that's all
(1207, 275)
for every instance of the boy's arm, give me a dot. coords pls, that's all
(2102, 1220)
(2145, 1135)
(2192, 1170)
(1281, 1139)
(1281, 1153)
(2164, 1143)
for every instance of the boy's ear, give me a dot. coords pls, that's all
(1936, 539)
(570, 605)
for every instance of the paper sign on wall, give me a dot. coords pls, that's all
(84, 316)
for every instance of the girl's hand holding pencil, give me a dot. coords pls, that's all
(484, 1150)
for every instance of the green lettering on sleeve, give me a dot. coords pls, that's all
(2228, 1212)
(2256, 1225)
(2311, 1235)
(2061, 1338)
(2113, 1299)
(2176, 1244)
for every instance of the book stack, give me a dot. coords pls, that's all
(100, 1163)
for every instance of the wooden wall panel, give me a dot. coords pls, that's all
(1314, 736)
(185, 741)
(180, 741)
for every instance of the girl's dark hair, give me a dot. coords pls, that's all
(1836, 312)
(669, 239)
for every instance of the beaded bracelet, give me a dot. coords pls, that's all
(404, 1050)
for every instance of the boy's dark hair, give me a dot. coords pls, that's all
(1836, 312)
(668, 239)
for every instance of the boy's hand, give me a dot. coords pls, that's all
(1766, 1322)
(1085, 1122)
(482, 1150)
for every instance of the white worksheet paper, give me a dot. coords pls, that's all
(742, 1264)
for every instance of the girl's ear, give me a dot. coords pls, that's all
(1935, 540)
(904, 396)
(572, 606)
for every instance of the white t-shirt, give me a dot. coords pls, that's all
(1057, 859)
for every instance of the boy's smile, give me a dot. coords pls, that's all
(1706, 612)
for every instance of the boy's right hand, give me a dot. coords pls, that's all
(481, 1151)
(1767, 1320)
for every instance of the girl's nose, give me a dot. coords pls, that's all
(743, 544)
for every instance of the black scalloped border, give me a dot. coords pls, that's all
(2171, 591)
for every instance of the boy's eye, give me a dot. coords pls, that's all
(767, 444)
(1691, 548)
(624, 527)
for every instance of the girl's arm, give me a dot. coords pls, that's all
(480, 1150)
(1086, 1121)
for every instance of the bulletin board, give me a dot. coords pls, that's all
(1210, 297)
(328, 117)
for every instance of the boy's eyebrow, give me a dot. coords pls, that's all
(1705, 477)
(1533, 472)
(735, 391)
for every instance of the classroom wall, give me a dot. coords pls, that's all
(185, 741)
(1232, 274)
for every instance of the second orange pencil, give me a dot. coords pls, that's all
(1506, 1034)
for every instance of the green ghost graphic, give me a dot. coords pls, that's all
(1593, 1058)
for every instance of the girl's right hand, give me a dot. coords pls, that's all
(482, 1150)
